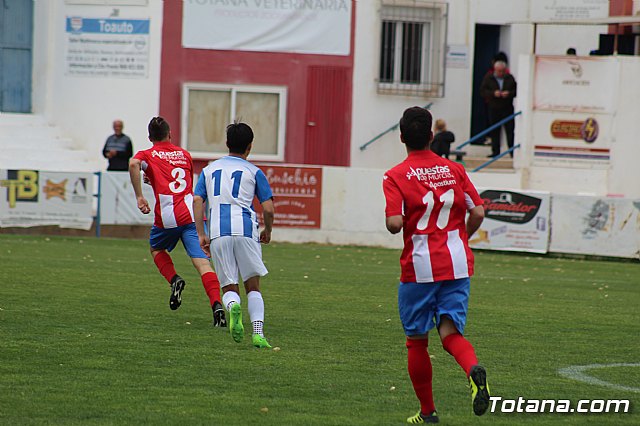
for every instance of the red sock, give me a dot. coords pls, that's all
(461, 350)
(420, 372)
(211, 286)
(165, 265)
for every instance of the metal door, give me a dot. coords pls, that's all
(328, 116)
(16, 41)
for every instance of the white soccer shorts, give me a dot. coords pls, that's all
(236, 255)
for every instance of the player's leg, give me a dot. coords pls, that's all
(249, 254)
(162, 241)
(417, 317)
(227, 269)
(209, 278)
(453, 299)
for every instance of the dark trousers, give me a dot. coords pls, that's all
(496, 115)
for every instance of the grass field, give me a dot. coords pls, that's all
(88, 338)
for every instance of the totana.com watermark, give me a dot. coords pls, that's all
(521, 405)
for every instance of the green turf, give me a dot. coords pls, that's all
(87, 337)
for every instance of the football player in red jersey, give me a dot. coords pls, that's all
(169, 170)
(428, 197)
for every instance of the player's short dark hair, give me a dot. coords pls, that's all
(239, 136)
(158, 129)
(415, 127)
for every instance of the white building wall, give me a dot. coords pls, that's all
(85, 107)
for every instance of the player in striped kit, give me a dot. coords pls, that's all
(229, 185)
(428, 198)
(169, 170)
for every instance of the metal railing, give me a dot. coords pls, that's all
(390, 129)
(488, 130)
(497, 157)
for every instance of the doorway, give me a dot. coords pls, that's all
(487, 44)
(16, 43)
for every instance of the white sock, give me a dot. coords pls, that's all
(255, 305)
(229, 298)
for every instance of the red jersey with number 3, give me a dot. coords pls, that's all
(433, 195)
(170, 172)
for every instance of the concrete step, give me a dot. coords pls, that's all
(47, 159)
(503, 163)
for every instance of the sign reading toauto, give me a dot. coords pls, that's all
(510, 207)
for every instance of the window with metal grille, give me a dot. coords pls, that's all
(412, 47)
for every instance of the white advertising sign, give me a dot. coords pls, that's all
(514, 221)
(107, 47)
(574, 140)
(297, 26)
(596, 226)
(118, 204)
(579, 84)
(38, 198)
(566, 10)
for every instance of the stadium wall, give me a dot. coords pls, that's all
(352, 213)
(85, 106)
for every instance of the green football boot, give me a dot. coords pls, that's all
(479, 389)
(236, 327)
(420, 418)
(260, 342)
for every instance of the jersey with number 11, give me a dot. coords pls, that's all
(170, 172)
(433, 195)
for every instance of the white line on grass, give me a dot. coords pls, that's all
(578, 372)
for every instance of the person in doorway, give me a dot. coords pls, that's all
(118, 149)
(499, 89)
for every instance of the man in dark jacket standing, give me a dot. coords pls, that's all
(499, 89)
(118, 148)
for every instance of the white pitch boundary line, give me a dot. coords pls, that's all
(578, 372)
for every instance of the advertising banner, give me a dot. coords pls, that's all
(596, 226)
(574, 140)
(578, 84)
(318, 27)
(565, 10)
(107, 47)
(118, 205)
(38, 198)
(514, 221)
(297, 195)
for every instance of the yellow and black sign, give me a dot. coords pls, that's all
(22, 186)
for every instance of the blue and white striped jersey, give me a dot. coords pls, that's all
(229, 185)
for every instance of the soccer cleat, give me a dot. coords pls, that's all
(479, 389)
(177, 285)
(260, 342)
(219, 319)
(236, 327)
(420, 418)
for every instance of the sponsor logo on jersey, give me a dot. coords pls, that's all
(424, 174)
(510, 207)
(172, 157)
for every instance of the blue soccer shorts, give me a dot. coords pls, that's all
(422, 306)
(167, 239)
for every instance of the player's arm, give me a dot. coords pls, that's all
(393, 210)
(134, 173)
(198, 212)
(476, 216)
(394, 224)
(268, 213)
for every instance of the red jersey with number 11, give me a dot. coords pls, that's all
(433, 195)
(170, 172)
